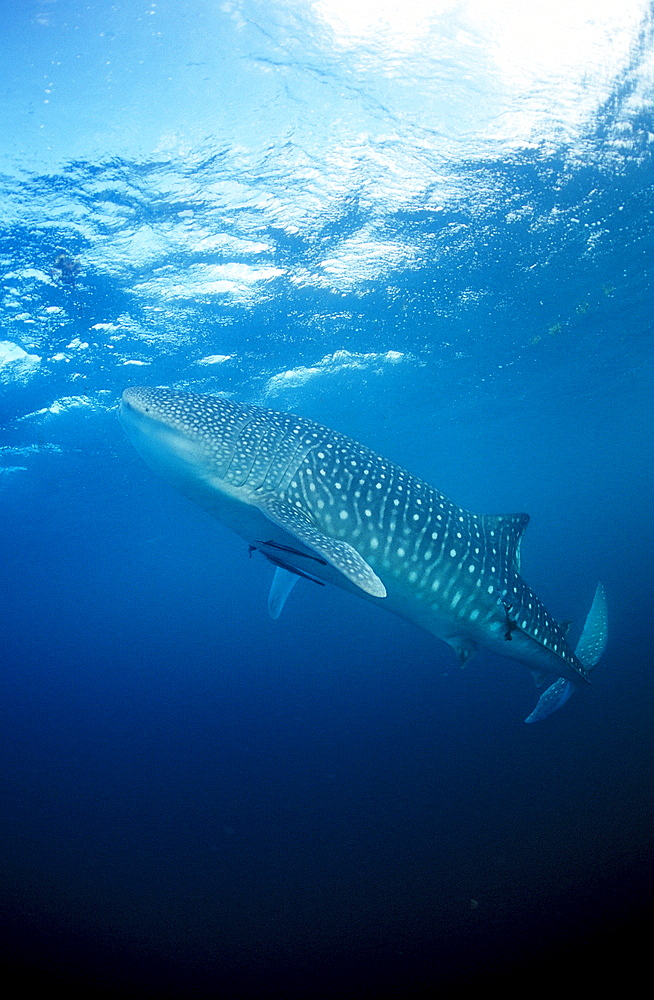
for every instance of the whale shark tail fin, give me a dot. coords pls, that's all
(592, 641)
(588, 651)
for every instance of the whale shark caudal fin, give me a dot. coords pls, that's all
(592, 641)
(590, 647)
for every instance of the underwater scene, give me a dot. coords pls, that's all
(326, 488)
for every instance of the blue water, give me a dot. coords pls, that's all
(432, 230)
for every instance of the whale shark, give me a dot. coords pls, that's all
(320, 506)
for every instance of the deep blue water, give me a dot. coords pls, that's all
(433, 232)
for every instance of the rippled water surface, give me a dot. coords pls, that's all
(426, 225)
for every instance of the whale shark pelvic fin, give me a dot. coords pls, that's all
(281, 586)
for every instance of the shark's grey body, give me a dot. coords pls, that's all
(320, 505)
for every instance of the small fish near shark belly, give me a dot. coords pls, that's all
(322, 507)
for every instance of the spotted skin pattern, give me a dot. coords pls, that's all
(378, 530)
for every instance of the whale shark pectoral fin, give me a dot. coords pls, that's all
(281, 586)
(338, 553)
(552, 698)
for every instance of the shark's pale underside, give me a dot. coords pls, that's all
(321, 506)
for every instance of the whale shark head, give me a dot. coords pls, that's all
(181, 436)
(240, 462)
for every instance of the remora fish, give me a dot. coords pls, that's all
(321, 506)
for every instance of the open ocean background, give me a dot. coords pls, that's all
(429, 225)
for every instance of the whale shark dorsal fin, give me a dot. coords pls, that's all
(340, 554)
(281, 586)
(509, 529)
